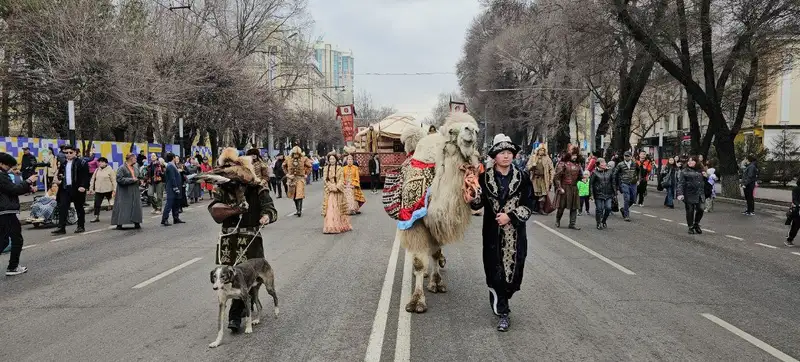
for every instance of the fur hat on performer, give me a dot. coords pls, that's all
(502, 143)
(296, 150)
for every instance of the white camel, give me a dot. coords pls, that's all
(448, 154)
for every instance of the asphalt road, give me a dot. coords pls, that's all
(639, 291)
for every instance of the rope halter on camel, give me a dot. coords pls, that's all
(471, 188)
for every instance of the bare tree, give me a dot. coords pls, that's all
(442, 108)
(736, 40)
(367, 111)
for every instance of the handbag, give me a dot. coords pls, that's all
(219, 212)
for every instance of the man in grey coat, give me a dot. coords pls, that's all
(128, 202)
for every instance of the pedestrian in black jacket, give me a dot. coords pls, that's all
(10, 228)
(794, 215)
(73, 180)
(375, 172)
(691, 190)
(602, 189)
(749, 178)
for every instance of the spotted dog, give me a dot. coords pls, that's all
(243, 282)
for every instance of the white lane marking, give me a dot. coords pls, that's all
(375, 345)
(648, 215)
(112, 227)
(667, 220)
(402, 347)
(29, 246)
(584, 248)
(734, 237)
(61, 238)
(93, 231)
(710, 231)
(748, 337)
(636, 212)
(795, 253)
(164, 274)
(767, 246)
(155, 216)
(684, 224)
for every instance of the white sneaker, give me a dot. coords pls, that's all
(19, 270)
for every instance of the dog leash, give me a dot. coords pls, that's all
(244, 251)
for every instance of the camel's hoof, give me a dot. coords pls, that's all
(442, 261)
(416, 307)
(437, 288)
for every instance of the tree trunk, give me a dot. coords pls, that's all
(561, 138)
(728, 169)
(5, 104)
(29, 113)
(212, 140)
(119, 133)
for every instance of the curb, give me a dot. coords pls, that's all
(769, 204)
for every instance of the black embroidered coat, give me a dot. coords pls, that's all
(505, 247)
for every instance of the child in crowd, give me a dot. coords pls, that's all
(710, 192)
(583, 193)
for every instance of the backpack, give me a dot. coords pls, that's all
(707, 188)
(392, 193)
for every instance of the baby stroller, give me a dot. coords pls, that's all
(72, 217)
(143, 196)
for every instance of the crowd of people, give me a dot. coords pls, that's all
(575, 181)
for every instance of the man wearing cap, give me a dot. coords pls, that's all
(73, 180)
(506, 199)
(10, 228)
(627, 175)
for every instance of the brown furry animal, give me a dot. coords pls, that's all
(231, 173)
(448, 216)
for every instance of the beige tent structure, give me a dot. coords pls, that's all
(389, 129)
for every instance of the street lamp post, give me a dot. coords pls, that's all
(180, 136)
(660, 147)
(71, 115)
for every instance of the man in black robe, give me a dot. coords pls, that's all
(507, 199)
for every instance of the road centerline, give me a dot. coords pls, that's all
(749, 338)
(164, 274)
(375, 346)
(667, 220)
(767, 246)
(402, 347)
(734, 237)
(586, 249)
(649, 215)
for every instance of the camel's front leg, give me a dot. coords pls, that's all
(417, 303)
(435, 283)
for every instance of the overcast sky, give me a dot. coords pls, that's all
(398, 36)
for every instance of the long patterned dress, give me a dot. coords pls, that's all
(334, 207)
(352, 189)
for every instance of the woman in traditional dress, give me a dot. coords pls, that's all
(334, 206)
(127, 201)
(540, 167)
(505, 242)
(240, 238)
(352, 187)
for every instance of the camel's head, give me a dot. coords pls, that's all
(462, 130)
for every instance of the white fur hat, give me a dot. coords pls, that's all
(502, 143)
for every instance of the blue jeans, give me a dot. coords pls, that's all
(670, 196)
(602, 208)
(629, 195)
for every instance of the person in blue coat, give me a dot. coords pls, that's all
(173, 188)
